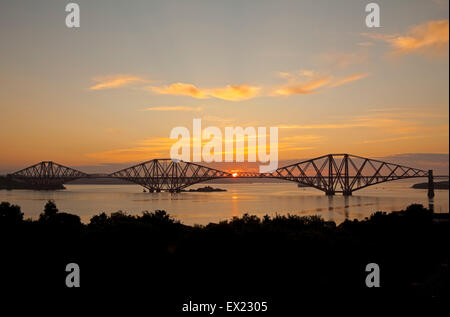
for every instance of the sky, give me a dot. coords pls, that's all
(111, 91)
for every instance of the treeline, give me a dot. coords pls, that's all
(248, 254)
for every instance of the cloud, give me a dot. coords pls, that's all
(302, 138)
(427, 38)
(313, 84)
(304, 88)
(322, 126)
(341, 59)
(396, 128)
(220, 120)
(302, 82)
(308, 73)
(174, 108)
(145, 150)
(365, 44)
(386, 140)
(290, 148)
(348, 79)
(235, 93)
(114, 131)
(115, 81)
(180, 89)
(299, 142)
(230, 92)
(399, 123)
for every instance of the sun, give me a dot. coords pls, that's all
(235, 174)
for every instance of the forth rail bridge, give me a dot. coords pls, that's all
(332, 173)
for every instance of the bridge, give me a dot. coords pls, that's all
(331, 173)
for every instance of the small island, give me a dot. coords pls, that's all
(437, 185)
(206, 189)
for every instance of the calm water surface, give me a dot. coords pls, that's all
(201, 208)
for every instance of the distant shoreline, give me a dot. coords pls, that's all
(444, 185)
(6, 183)
(437, 185)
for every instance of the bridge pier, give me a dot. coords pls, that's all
(347, 193)
(430, 184)
(330, 192)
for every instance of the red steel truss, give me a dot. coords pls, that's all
(344, 173)
(332, 173)
(168, 175)
(47, 175)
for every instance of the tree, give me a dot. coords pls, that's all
(158, 217)
(10, 214)
(50, 210)
(100, 220)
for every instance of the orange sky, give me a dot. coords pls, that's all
(111, 91)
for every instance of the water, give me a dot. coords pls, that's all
(201, 208)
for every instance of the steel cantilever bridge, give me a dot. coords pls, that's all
(332, 173)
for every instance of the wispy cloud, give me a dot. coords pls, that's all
(300, 73)
(299, 142)
(302, 138)
(116, 81)
(304, 88)
(309, 82)
(180, 89)
(322, 126)
(386, 140)
(230, 92)
(365, 44)
(174, 108)
(348, 79)
(427, 38)
(236, 93)
(302, 82)
(144, 150)
(114, 131)
(219, 120)
(396, 125)
(399, 123)
(343, 59)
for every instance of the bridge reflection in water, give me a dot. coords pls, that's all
(332, 173)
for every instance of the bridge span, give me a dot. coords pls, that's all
(331, 173)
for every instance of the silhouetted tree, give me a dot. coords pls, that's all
(268, 254)
(50, 211)
(159, 217)
(10, 214)
(52, 216)
(100, 220)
